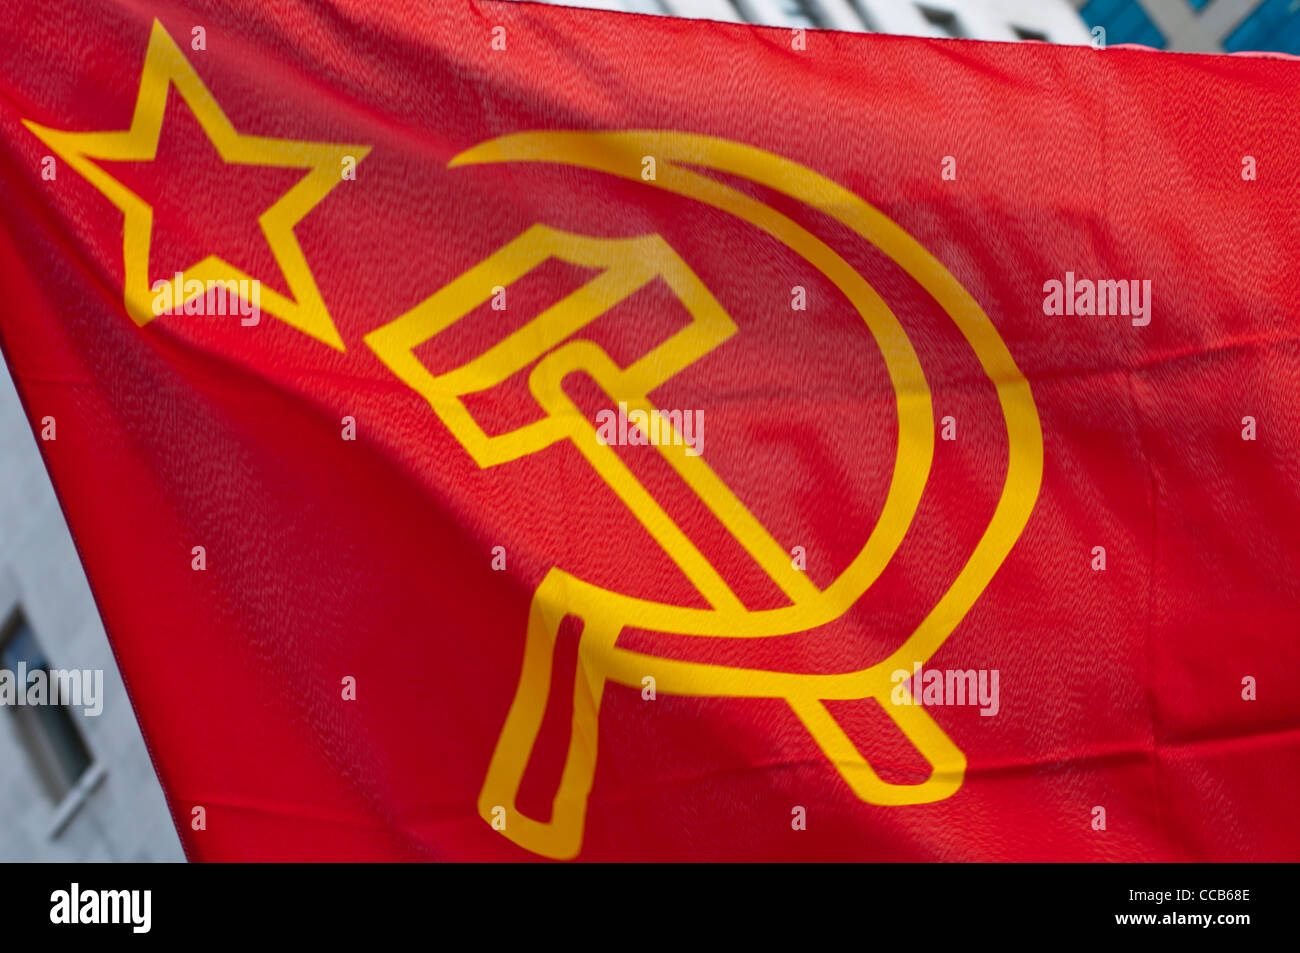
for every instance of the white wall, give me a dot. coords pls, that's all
(122, 816)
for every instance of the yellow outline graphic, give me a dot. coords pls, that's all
(164, 66)
(627, 265)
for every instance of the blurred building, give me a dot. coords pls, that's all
(1054, 21)
(1187, 26)
(73, 787)
(1199, 26)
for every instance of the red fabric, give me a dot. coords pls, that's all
(328, 558)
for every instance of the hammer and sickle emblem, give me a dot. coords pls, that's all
(626, 265)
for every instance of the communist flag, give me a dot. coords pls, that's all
(505, 431)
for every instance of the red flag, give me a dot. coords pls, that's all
(512, 431)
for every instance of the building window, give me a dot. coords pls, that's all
(1273, 26)
(58, 753)
(1026, 34)
(1124, 21)
(945, 20)
(795, 13)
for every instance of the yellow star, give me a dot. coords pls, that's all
(164, 66)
